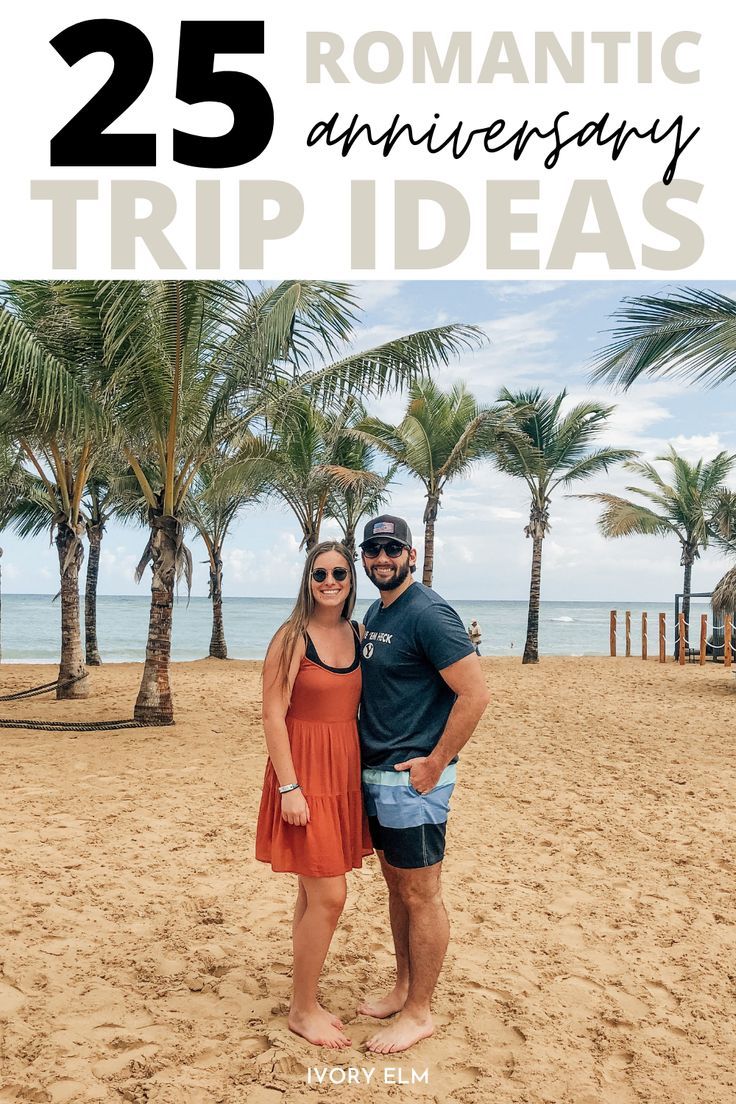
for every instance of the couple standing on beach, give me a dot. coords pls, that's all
(414, 674)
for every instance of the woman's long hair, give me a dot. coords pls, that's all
(295, 626)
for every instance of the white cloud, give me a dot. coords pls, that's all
(376, 293)
(524, 288)
(704, 446)
(276, 569)
(500, 513)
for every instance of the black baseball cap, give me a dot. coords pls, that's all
(387, 528)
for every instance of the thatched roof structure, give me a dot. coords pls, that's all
(723, 598)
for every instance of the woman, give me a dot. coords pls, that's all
(311, 820)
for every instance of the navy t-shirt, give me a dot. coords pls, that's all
(406, 702)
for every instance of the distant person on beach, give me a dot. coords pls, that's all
(311, 820)
(475, 635)
(423, 695)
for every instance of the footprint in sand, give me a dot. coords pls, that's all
(663, 997)
(502, 995)
(571, 935)
(65, 1091)
(16, 1093)
(502, 1045)
(111, 1067)
(629, 1004)
(616, 1066)
(577, 991)
(570, 902)
(249, 1048)
(579, 980)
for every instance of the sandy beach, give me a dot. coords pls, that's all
(590, 880)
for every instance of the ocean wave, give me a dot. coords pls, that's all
(560, 618)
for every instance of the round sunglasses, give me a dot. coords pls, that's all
(339, 574)
(392, 549)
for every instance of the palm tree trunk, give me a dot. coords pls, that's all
(686, 588)
(428, 568)
(218, 644)
(154, 704)
(311, 534)
(430, 516)
(348, 539)
(92, 655)
(72, 683)
(531, 647)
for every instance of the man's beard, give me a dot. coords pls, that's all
(391, 582)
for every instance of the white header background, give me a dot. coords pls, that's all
(41, 93)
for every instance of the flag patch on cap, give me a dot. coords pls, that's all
(383, 527)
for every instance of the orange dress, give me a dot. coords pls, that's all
(323, 732)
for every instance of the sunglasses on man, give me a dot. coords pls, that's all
(339, 574)
(372, 549)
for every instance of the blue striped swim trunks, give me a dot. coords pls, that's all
(407, 826)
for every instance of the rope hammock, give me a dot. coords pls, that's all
(44, 688)
(68, 726)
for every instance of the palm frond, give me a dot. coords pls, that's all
(622, 518)
(690, 335)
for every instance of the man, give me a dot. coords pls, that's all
(423, 695)
(475, 635)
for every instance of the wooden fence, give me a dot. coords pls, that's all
(682, 653)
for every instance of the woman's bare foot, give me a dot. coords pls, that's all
(400, 1035)
(318, 1027)
(334, 1020)
(382, 1007)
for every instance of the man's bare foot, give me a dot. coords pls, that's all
(382, 1007)
(400, 1035)
(317, 1027)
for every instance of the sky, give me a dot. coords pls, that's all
(540, 334)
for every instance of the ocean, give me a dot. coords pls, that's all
(30, 626)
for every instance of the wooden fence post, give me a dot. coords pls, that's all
(662, 637)
(628, 633)
(681, 639)
(703, 636)
(727, 641)
(613, 633)
(644, 642)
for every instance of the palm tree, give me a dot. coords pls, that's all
(99, 506)
(11, 486)
(548, 449)
(52, 406)
(223, 487)
(299, 478)
(690, 507)
(439, 438)
(191, 361)
(12, 477)
(690, 335)
(184, 363)
(313, 468)
(723, 598)
(356, 489)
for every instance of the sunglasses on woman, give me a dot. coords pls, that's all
(392, 549)
(339, 574)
